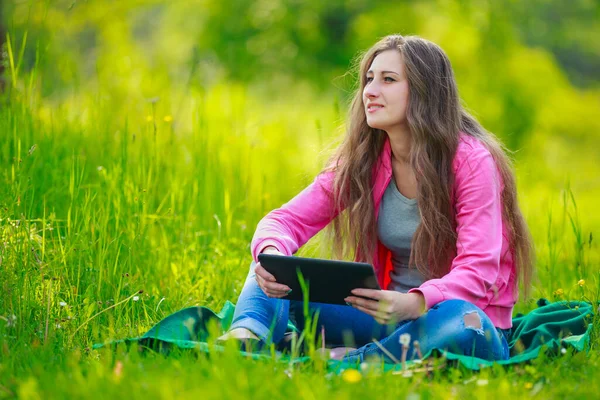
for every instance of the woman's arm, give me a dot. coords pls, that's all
(293, 224)
(478, 208)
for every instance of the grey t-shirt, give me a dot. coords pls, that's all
(398, 220)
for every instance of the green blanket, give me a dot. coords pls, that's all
(551, 326)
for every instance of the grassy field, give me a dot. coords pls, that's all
(96, 207)
(116, 212)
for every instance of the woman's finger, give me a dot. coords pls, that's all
(263, 273)
(277, 287)
(366, 303)
(381, 317)
(260, 281)
(276, 295)
(369, 293)
(372, 313)
(272, 288)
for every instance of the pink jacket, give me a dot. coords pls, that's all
(483, 271)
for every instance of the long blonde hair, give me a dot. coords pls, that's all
(435, 118)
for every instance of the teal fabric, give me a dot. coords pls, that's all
(548, 328)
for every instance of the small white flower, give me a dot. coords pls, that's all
(58, 326)
(136, 298)
(563, 350)
(405, 339)
(62, 304)
(11, 320)
(99, 167)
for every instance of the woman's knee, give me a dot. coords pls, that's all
(461, 319)
(465, 326)
(462, 312)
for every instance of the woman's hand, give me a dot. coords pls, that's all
(266, 280)
(388, 306)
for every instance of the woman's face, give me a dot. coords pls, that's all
(385, 96)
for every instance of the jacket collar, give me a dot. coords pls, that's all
(382, 173)
(386, 154)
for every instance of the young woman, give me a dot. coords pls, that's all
(420, 190)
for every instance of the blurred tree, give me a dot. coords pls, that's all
(139, 49)
(304, 39)
(570, 29)
(308, 39)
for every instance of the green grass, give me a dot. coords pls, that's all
(98, 203)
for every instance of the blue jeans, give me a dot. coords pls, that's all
(442, 327)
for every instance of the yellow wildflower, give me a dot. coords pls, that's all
(149, 118)
(351, 376)
(528, 385)
(581, 282)
(559, 292)
(168, 118)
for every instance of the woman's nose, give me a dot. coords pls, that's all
(371, 91)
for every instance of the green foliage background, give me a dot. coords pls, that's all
(141, 141)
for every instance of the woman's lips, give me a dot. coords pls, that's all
(372, 109)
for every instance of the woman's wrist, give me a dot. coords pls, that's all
(419, 306)
(270, 249)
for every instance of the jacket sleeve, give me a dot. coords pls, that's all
(293, 224)
(478, 207)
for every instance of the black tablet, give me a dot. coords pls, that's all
(329, 281)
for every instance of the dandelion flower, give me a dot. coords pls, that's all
(581, 282)
(149, 118)
(405, 339)
(168, 118)
(351, 376)
(559, 292)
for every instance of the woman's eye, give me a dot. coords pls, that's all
(387, 79)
